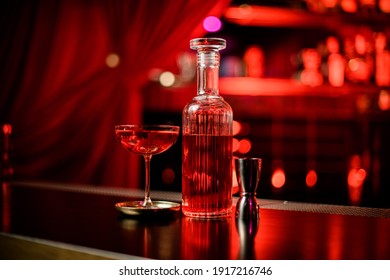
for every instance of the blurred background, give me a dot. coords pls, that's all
(308, 81)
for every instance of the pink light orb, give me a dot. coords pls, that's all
(212, 24)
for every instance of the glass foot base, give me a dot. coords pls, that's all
(135, 208)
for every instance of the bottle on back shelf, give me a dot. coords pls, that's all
(382, 60)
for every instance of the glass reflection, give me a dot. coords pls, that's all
(206, 238)
(150, 238)
(247, 225)
(6, 206)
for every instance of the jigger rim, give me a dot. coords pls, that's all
(248, 158)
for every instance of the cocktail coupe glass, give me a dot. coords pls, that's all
(146, 140)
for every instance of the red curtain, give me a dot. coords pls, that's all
(61, 97)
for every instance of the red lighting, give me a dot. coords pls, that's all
(349, 6)
(255, 87)
(384, 100)
(311, 60)
(356, 177)
(236, 144)
(7, 129)
(236, 127)
(198, 238)
(332, 44)
(250, 86)
(360, 44)
(330, 3)
(336, 64)
(254, 62)
(384, 5)
(266, 15)
(273, 16)
(245, 146)
(278, 178)
(358, 69)
(311, 178)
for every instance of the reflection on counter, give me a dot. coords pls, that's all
(149, 238)
(247, 229)
(206, 237)
(6, 207)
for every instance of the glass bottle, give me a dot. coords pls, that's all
(382, 60)
(207, 139)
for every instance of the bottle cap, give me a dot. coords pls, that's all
(212, 43)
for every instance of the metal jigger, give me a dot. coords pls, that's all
(247, 209)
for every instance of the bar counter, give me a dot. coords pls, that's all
(45, 220)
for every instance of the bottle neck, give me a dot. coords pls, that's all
(208, 72)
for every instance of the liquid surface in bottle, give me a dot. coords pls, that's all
(207, 180)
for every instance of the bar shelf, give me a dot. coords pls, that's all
(286, 17)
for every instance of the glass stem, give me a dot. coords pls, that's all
(147, 201)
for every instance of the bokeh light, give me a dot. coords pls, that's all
(278, 178)
(245, 146)
(167, 79)
(311, 178)
(384, 100)
(349, 6)
(112, 60)
(236, 127)
(236, 144)
(212, 24)
(7, 128)
(356, 177)
(384, 5)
